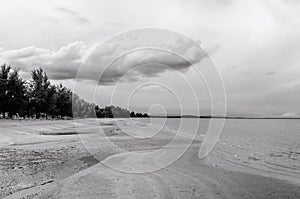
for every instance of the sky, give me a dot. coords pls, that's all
(254, 45)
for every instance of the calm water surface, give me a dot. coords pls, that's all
(263, 146)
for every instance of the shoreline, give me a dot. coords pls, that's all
(60, 166)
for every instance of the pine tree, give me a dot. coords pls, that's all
(37, 97)
(39, 93)
(15, 94)
(64, 101)
(4, 74)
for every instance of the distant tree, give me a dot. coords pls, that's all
(26, 110)
(64, 101)
(132, 114)
(145, 115)
(116, 112)
(100, 112)
(141, 115)
(52, 97)
(4, 74)
(97, 111)
(39, 97)
(84, 109)
(40, 91)
(108, 112)
(76, 107)
(16, 94)
(119, 112)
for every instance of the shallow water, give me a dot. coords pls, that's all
(268, 147)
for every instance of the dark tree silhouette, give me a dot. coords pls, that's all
(39, 92)
(63, 101)
(132, 114)
(16, 94)
(4, 74)
(39, 98)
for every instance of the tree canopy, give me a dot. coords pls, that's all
(39, 98)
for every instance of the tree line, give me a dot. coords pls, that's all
(38, 98)
(116, 112)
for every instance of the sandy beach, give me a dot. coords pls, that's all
(150, 99)
(48, 159)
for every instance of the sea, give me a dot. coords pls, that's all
(269, 147)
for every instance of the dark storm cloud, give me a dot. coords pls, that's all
(145, 63)
(127, 59)
(65, 62)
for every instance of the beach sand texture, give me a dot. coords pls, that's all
(48, 159)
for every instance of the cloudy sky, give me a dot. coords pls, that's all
(255, 45)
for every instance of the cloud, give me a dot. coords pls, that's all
(146, 63)
(60, 64)
(291, 114)
(270, 73)
(129, 60)
(134, 56)
(152, 88)
(74, 14)
(255, 37)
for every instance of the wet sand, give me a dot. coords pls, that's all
(47, 159)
